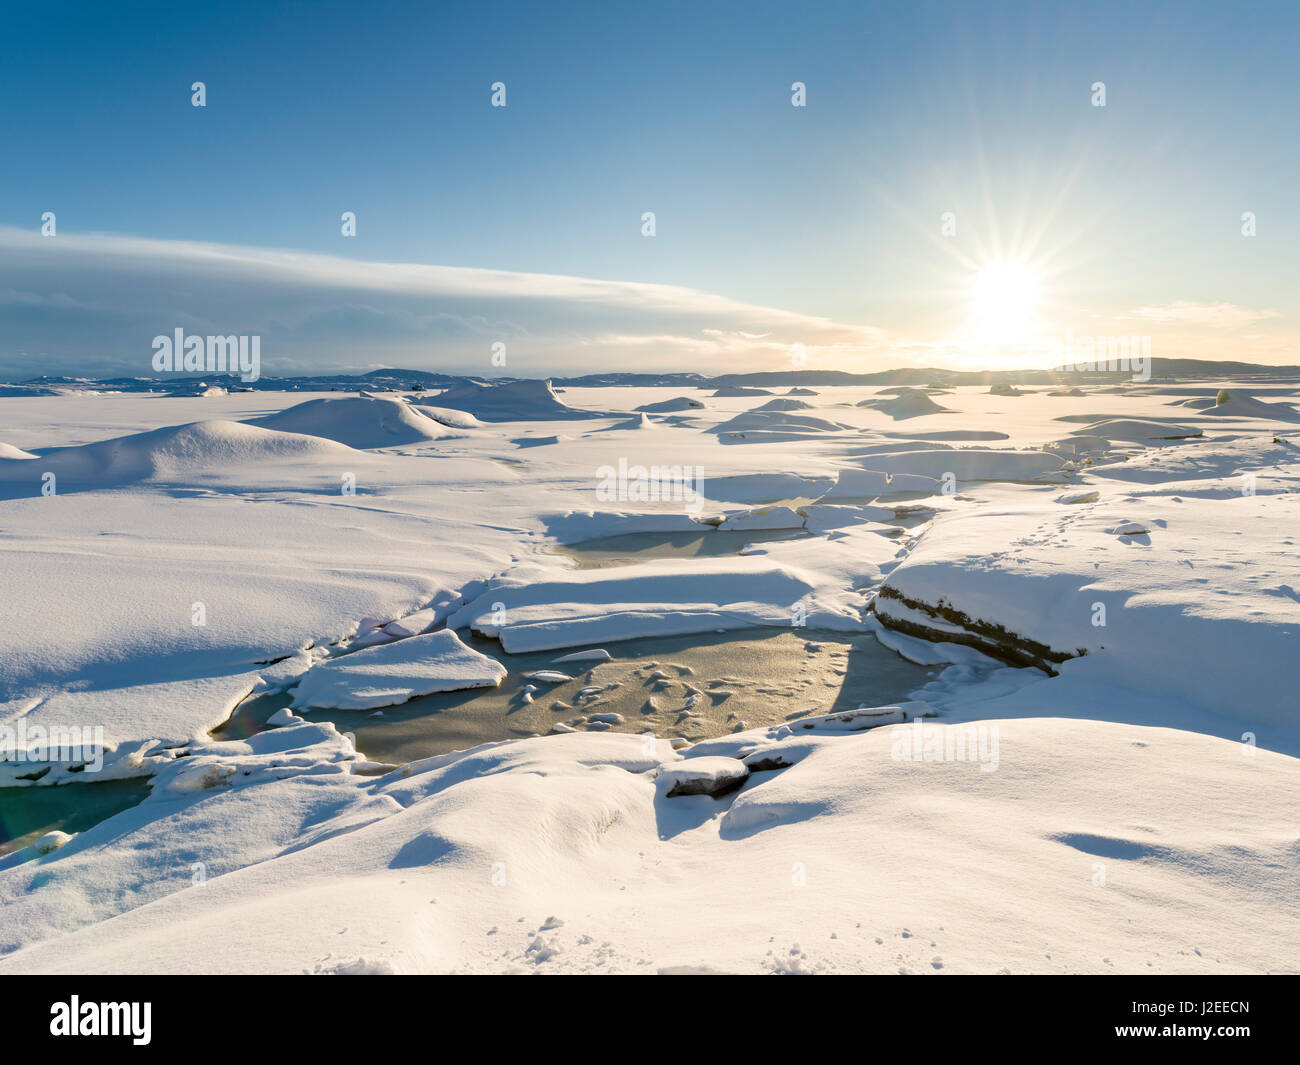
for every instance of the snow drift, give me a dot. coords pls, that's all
(358, 422)
(173, 453)
(511, 401)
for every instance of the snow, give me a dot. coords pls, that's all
(1136, 429)
(396, 672)
(510, 401)
(1040, 571)
(702, 776)
(967, 464)
(785, 404)
(670, 406)
(359, 421)
(174, 455)
(867, 484)
(1130, 528)
(905, 405)
(1239, 404)
(650, 598)
(766, 488)
(763, 518)
(771, 426)
(1134, 812)
(595, 654)
(739, 391)
(1077, 878)
(456, 419)
(51, 842)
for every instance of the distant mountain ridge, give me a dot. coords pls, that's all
(417, 380)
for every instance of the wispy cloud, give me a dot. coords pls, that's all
(1210, 315)
(93, 303)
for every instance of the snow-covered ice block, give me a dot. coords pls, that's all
(548, 676)
(396, 672)
(863, 484)
(648, 599)
(670, 406)
(594, 654)
(423, 620)
(866, 717)
(763, 518)
(965, 464)
(702, 776)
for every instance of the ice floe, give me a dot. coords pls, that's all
(397, 672)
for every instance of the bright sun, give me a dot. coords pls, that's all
(1004, 300)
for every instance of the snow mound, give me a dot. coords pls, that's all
(906, 405)
(739, 391)
(357, 421)
(1137, 430)
(1239, 405)
(394, 673)
(455, 419)
(763, 424)
(866, 484)
(8, 451)
(785, 404)
(174, 453)
(511, 401)
(671, 406)
(52, 841)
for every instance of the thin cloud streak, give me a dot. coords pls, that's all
(92, 303)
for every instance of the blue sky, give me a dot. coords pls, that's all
(816, 225)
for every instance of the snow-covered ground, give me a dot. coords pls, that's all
(1104, 778)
